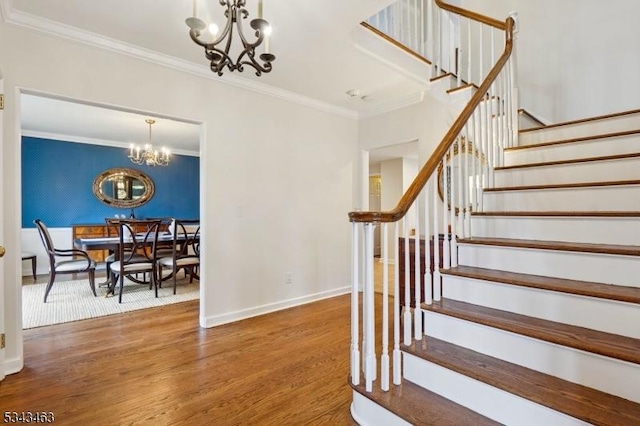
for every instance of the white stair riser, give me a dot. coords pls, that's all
(568, 151)
(610, 269)
(597, 198)
(592, 171)
(590, 312)
(606, 374)
(595, 127)
(482, 398)
(595, 230)
(367, 413)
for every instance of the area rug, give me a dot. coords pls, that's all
(73, 300)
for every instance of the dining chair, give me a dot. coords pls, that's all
(136, 252)
(185, 250)
(65, 261)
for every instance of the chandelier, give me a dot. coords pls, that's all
(148, 155)
(220, 57)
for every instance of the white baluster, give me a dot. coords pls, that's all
(456, 190)
(469, 75)
(423, 41)
(384, 360)
(428, 286)
(369, 326)
(407, 284)
(416, 29)
(397, 359)
(466, 229)
(417, 311)
(446, 259)
(491, 140)
(480, 55)
(479, 160)
(355, 267)
(438, 62)
(515, 102)
(437, 289)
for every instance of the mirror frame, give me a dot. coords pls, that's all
(112, 202)
(463, 147)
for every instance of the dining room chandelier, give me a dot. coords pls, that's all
(217, 45)
(148, 155)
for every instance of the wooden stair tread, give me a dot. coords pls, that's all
(570, 161)
(584, 403)
(560, 213)
(564, 185)
(585, 339)
(588, 119)
(420, 406)
(625, 250)
(571, 140)
(562, 285)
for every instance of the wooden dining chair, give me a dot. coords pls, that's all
(185, 253)
(65, 261)
(136, 252)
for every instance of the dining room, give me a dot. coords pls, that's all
(79, 170)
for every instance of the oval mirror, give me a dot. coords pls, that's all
(122, 187)
(467, 163)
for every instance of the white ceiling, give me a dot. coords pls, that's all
(316, 59)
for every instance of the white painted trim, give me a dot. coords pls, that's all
(94, 141)
(57, 29)
(12, 366)
(212, 321)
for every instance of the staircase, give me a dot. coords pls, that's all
(539, 321)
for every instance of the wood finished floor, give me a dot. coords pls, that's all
(157, 366)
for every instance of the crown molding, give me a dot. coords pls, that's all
(58, 29)
(94, 141)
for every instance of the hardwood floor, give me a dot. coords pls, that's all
(158, 366)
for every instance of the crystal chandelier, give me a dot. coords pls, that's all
(148, 155)
(220, 56)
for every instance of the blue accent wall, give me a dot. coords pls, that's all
(57, 180)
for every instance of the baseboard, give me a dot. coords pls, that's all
(212, 321)
(12, 366)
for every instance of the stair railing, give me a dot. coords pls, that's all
(437, 204)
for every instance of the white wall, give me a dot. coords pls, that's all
(426, 122)
(392, 188)
(276, 177)
(576, 58)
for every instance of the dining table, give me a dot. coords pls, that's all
(112, 244)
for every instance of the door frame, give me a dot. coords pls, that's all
(2, 236)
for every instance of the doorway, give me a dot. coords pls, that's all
(101, 134)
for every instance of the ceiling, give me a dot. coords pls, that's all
(317, 60)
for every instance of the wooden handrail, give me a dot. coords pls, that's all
(472, 15)
(432, 163)
(395, 42)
